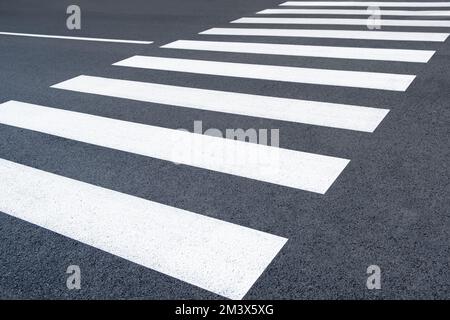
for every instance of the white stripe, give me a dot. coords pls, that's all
(73, 38)
(365, 4)
(372, 80)
(284, 167)
(218, 256)
(357, 12)
(301, 111)
(355, 22)
(306, 51)
(340, 34)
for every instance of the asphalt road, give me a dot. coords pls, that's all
(389, 207)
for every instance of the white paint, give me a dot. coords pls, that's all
(357, 79)
(339, 34)
(284, 167)
(427, 13)
(365, 4)
(306, 51)
(218, 256)
(311, 112)
(73, 38)
(337, 21)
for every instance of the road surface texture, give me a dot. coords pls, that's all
(94, 173)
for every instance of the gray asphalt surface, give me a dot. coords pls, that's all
(389, 207)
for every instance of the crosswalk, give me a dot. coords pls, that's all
(306, 51)
(406, 4)
(325, 114)
(221, 257)
(350, 22)
(428, 13)
(356, 79)
(333, 34)
(290, 168)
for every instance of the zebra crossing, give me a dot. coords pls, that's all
(406, 4)
(350, 22)
(306, 51)
(290, 168)
(325, 114)
(357, 79)
(429, 13)
(159, 237)
(218, 256)
(334, 34)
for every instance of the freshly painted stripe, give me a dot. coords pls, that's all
(365, 4)
(339, 34)
(301, 111)
(337, 21)
(215, 255)
(357, 79)
(308, 51)
(426, 13)
(73, 38)
(301, 170)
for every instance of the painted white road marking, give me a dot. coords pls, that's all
(365, 4)
(73, 38)
(304, 50)
(427, 13)
(337, 21)
(339, 34)
(215, 255)
(310, 112)
(295, 169)
(357, 79)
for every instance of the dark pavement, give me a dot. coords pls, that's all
(389, 207)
